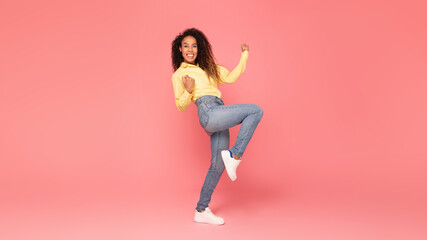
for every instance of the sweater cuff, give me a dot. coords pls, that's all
(186, 94)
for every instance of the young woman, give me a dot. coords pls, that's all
(195, 79)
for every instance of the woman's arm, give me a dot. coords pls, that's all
(231, 77)
(182, 96)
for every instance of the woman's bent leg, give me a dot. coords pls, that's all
(226, 116)
(219, 141)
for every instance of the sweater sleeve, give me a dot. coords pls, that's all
(182, 97)
(231, 77)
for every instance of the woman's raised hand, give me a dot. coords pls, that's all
(188, 83)
(245, 47)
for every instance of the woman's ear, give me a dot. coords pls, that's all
(180, 49)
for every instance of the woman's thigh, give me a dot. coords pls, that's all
(222, 117)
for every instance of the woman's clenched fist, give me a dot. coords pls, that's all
(188, 83)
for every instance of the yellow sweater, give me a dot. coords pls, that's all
(202, 84)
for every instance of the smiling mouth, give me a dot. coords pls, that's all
(190, 55)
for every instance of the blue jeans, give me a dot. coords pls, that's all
(216, 118)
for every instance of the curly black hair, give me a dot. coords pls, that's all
(205, 57)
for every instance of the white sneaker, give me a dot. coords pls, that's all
(230, 163)
(208, 217)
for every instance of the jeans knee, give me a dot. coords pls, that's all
(217, 166)
(221, 169)
(259, 111)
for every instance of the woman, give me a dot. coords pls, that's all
(195, 79)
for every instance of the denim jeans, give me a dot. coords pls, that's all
(216, 118)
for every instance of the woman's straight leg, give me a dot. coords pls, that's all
(223, 117)
(219, 141)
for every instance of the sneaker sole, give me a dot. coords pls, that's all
(198, 220)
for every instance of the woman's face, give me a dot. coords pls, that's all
(189, 49)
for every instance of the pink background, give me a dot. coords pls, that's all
(92, 145)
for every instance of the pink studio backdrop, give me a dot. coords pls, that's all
(93, 146)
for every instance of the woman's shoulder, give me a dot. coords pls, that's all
(185, 69)
(177, 72)
(221, 68)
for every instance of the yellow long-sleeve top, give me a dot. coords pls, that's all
(203, 85)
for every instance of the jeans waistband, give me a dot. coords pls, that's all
(208, 99)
